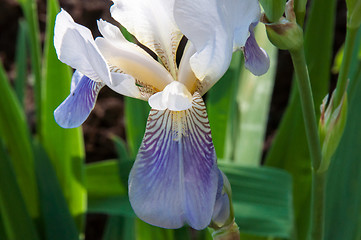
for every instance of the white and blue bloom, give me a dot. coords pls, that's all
(175, 178)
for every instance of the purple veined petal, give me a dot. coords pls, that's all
(256, 59)
(175, 176)
(77, 106)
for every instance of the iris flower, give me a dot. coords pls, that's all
(175, 179)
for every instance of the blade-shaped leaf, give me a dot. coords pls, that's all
(112, 199)
(102, 179)
(119, 227)
(21, 61)
(343, 209)
(136, 114)
(57, 221)
(15, 134)
(148, 232)
(64, 147)
(14, 216)
(262, 199)
(29, 8)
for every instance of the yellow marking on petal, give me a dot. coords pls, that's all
(179, 123)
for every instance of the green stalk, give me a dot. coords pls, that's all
(309, 116)
(342, 80)
(318, 205)
(308, 109)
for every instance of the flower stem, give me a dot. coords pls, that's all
(318, 204)
(345, 66)
(309, 116)
(308, 109)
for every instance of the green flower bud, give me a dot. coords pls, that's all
(223, 226)
(229, 232)
(331, 127)
(285, 34)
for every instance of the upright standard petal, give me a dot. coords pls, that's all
(75, 46)
(174, 179)
(128, 58)
(77, 106)
(186, 74)
(152, 23)
(256, 59)
(216, 28)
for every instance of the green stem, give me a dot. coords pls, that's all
(309, 116)
(345, 66)
(318, 205)
(308, 109)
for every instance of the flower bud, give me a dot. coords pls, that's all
(285, 34)
(331, 127)
(223, 217)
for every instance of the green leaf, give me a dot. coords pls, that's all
(273, 9)
(21, 61)
(343, 209)
(148, 232)
(57, 221)
(355, 69)
(29, 8)
(16, 137)
(289, 150)
(254, 98)
(14, 216)
(221, 108)
(112, 205)
(107, 190)
(102, 179)
(64, 147)
(136, 114)
(300, 10)
(262, 199)
(118, 227)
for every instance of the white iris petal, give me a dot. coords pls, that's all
(215, 33)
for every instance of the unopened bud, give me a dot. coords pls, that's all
(331, 127)
(229, 232)
(223, 216)
(285, 34)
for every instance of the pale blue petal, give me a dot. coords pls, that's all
(77, 106)
(256, 59)
(174, 179)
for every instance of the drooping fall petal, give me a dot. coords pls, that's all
(174, 178)
(77, 106)
(256, 59)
